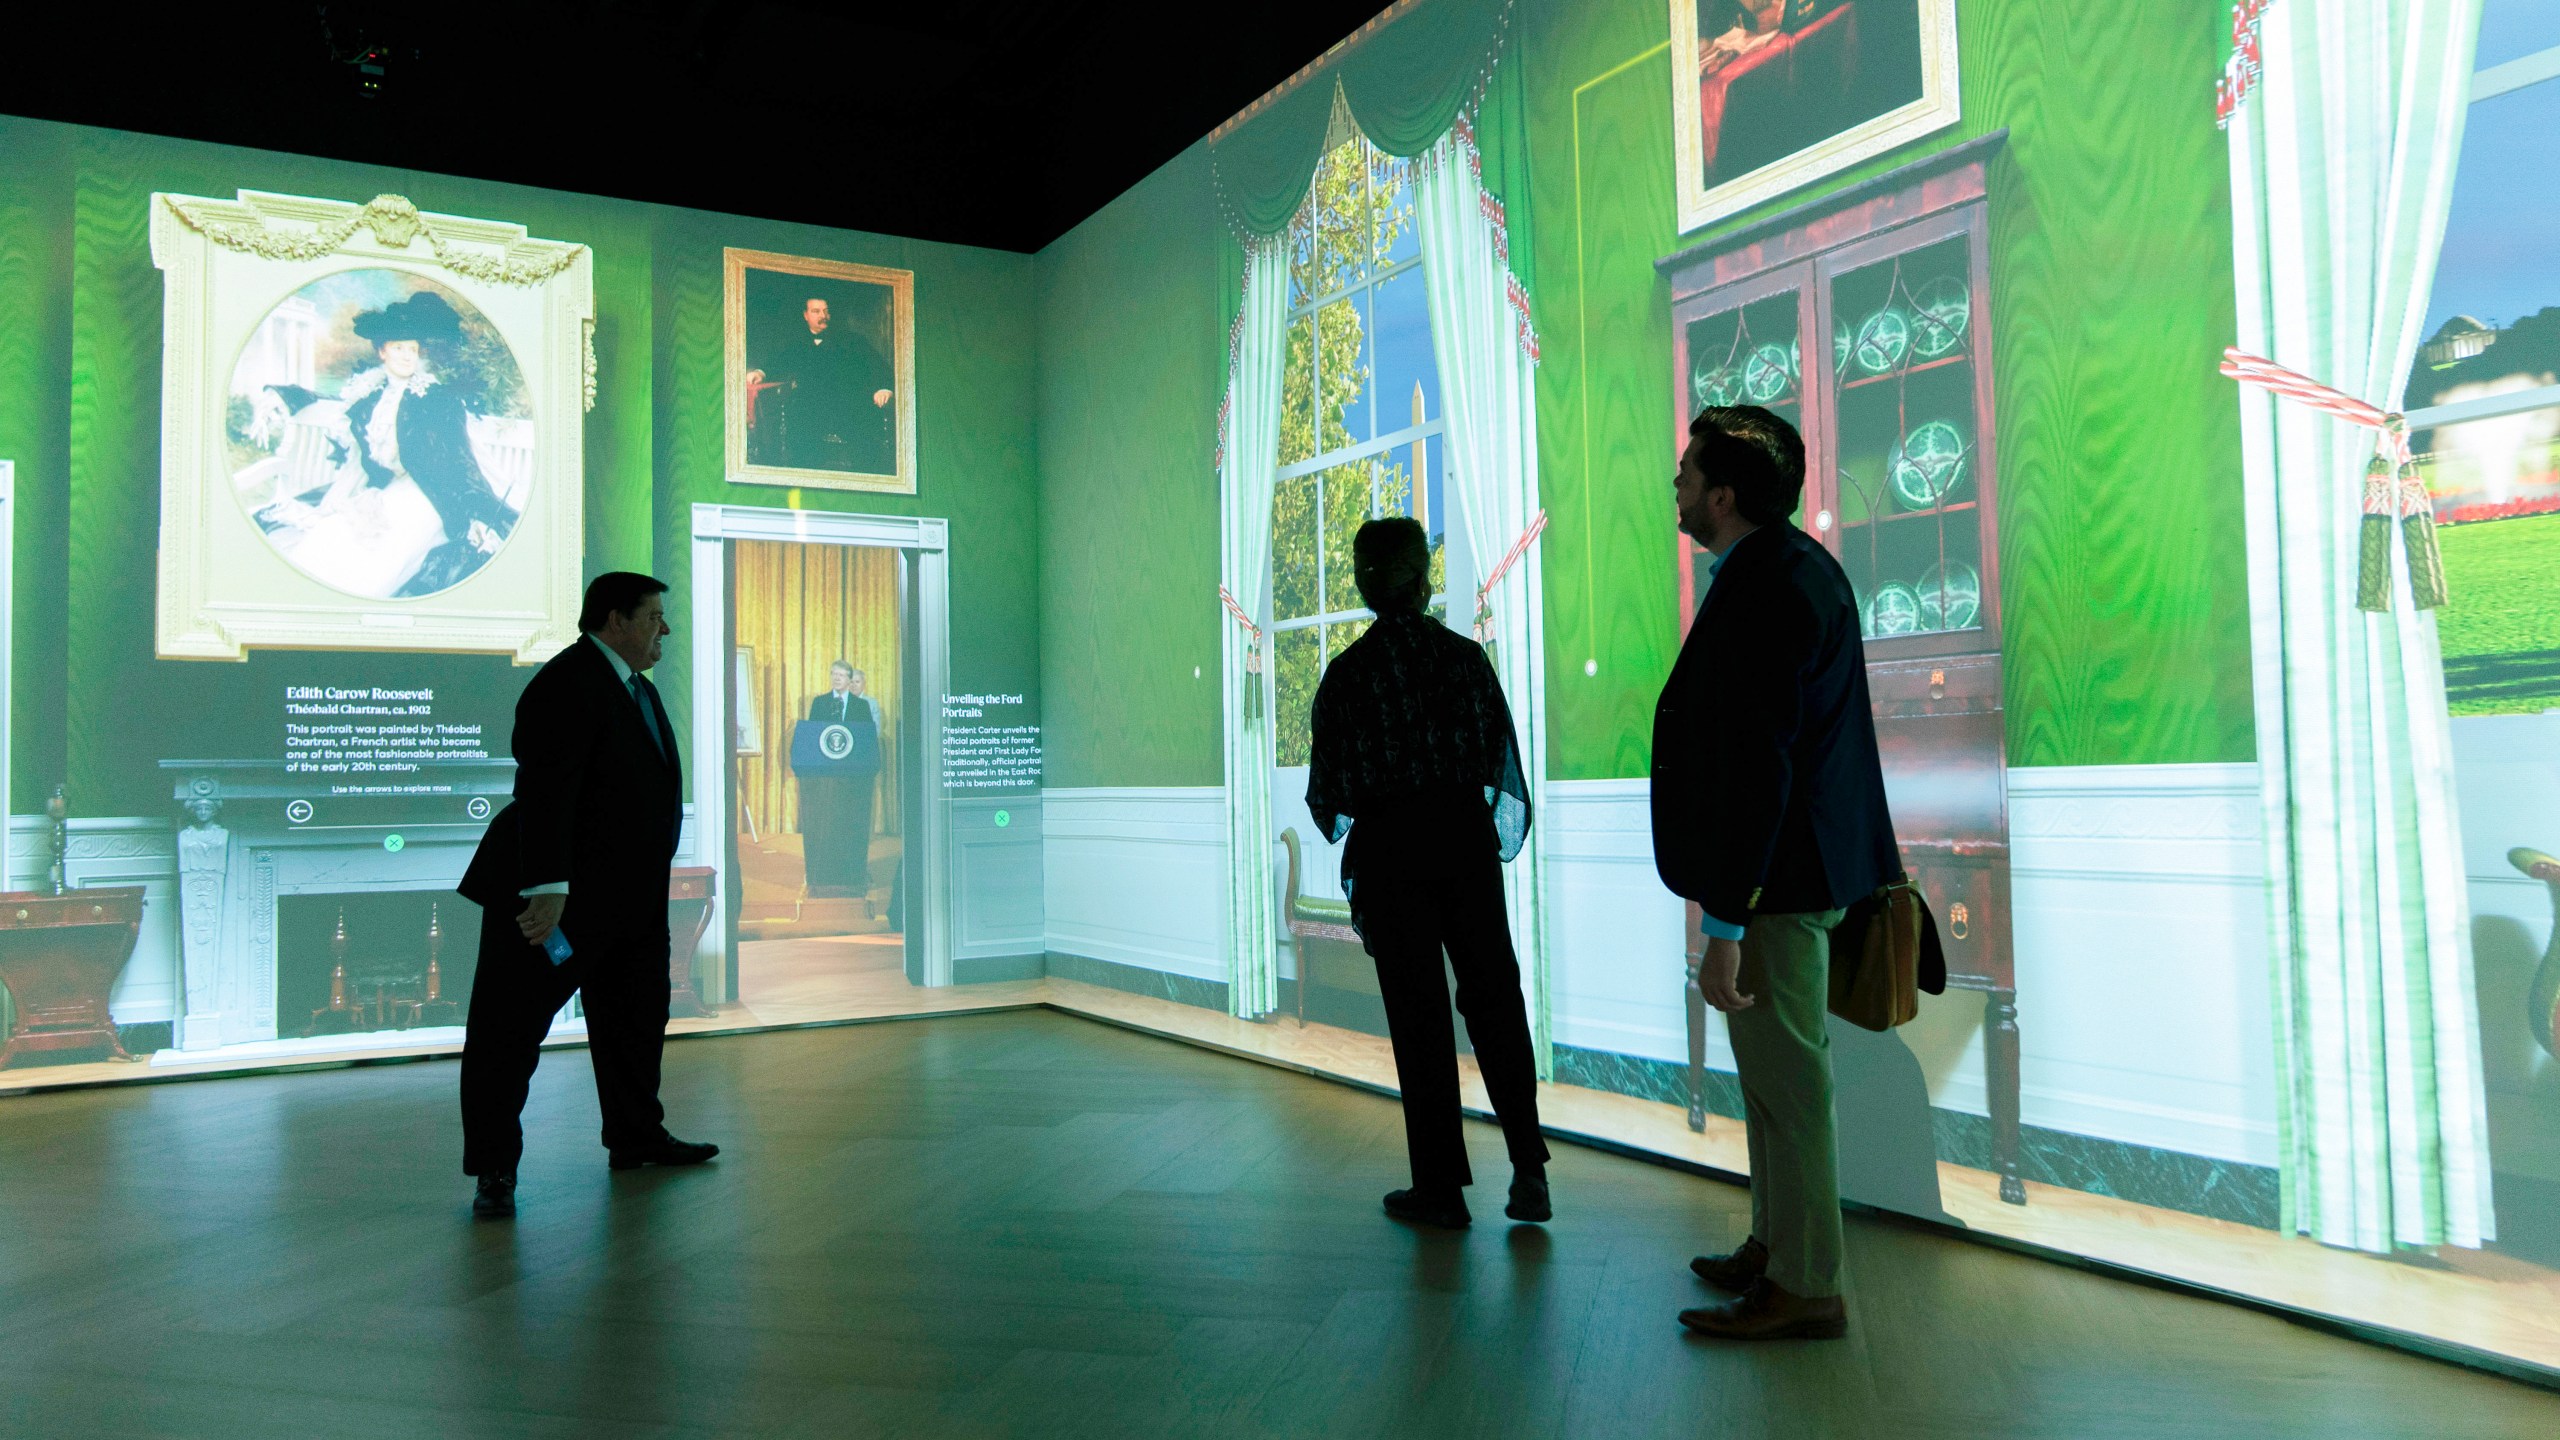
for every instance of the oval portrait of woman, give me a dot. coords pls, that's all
(380, 434)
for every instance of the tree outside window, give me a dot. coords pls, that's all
(1360, 421)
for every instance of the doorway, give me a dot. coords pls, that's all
(820, 646)
(816, 698)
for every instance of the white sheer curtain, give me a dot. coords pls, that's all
(1247, 463)
(1481, 338)
(2341, 172)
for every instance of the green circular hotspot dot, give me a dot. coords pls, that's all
(394, 844)
(1003, 818)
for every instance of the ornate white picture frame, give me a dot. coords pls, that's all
(872, 327)
(1928, 24)
(289, 522)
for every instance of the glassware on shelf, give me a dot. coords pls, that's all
(1928, 465)
(1950, 596)
(1892, 610)
(1766, 374)
(1883, 339)
(1721, 387)
(1945, 310)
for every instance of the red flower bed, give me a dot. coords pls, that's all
(2512, 509)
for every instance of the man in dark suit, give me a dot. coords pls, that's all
(835, 810)
(581, 856)
(1769, 812)
(836, 413)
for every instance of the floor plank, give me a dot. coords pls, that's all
(1023, 1224)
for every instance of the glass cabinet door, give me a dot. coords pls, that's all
(1907, 478)
(1744, 345)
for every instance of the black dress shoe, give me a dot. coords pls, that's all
(667, 1151)
(1442, 1212)
(1529, 1201)
(496, 1199)
(1766, 1312)
(1736, 1271)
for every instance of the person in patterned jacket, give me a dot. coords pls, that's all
(1416, 772)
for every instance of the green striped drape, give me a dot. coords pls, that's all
(2342, 172)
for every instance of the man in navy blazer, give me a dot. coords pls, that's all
(579, 862)
(1769, 812)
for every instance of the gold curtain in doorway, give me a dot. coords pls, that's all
(799, 609)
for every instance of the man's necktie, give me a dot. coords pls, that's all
(648, 714)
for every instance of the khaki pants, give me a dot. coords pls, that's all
(1782, 1046)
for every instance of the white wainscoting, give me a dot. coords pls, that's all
(1138, 876)
(2141, 933)
(2506, 772)
(1615, 968)
(997, 878)
(2144, 1011)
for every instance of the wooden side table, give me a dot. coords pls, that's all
(59, 957)
(690, 891)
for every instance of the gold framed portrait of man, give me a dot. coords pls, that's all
(819, 371)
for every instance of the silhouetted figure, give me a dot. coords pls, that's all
(583, 853)
(1415, 769)
(1769, 812)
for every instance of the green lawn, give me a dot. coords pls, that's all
(2502, 631)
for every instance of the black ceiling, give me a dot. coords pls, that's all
(986, 122)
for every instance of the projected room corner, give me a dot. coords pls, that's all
(2212, 656)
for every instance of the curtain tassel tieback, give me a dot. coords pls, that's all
(2392, 486)
(1252, 652)
(1494, 577)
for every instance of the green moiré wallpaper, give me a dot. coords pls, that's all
(2122, 559)
(1132, 367)
(2122, 554)
(35, 432)
(80, 325)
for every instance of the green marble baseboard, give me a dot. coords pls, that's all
(982, 969)
(2165, 1179)
(1138, 980)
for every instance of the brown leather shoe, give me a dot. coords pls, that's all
(1766, 1312)
(1736, 1271)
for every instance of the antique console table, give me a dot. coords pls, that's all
(692, 896)
(59, 958)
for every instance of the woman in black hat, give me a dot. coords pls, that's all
(404, 421)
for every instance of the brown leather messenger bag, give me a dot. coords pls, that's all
(1884, 953)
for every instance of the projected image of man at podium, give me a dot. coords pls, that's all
(835, 754)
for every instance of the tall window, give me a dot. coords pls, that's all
(1360, 422)
(2484, 398)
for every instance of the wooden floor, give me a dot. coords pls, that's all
(1022, 1224)
(2471, 1299)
